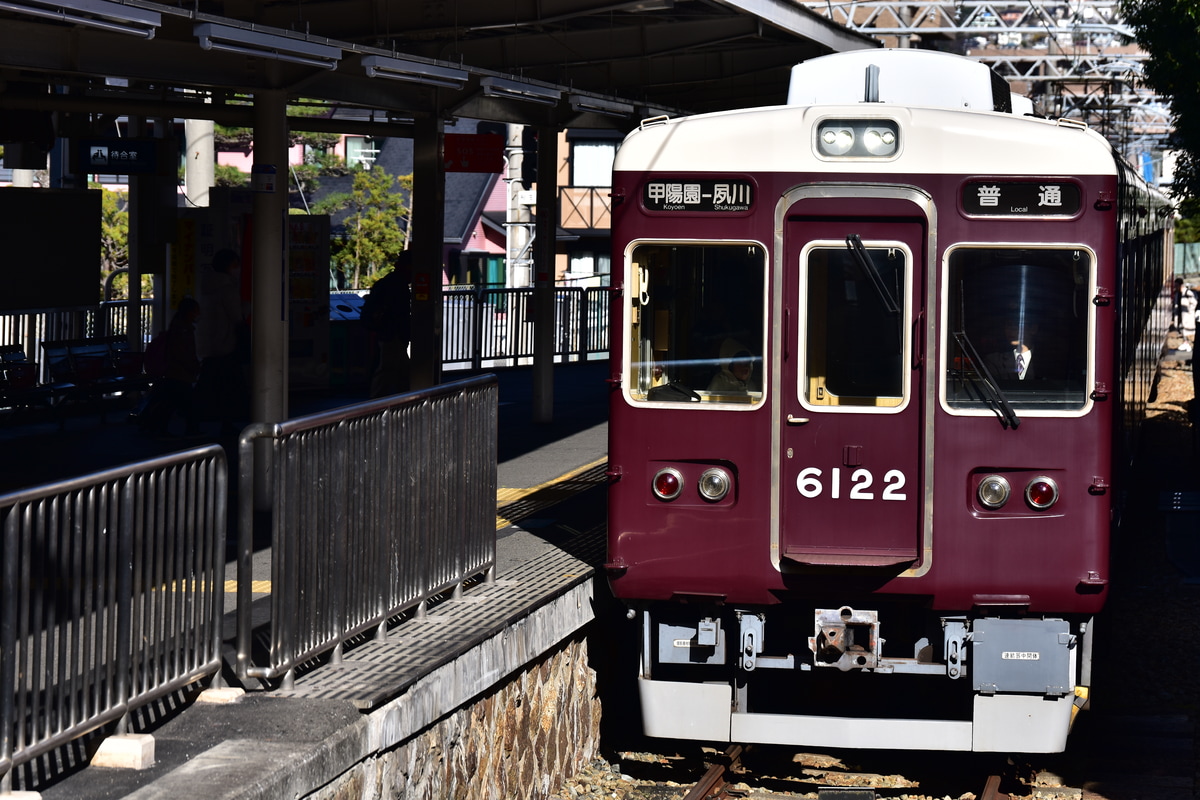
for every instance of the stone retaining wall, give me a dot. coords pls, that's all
(521, 741)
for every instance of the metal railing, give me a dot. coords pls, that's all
(482, 328)
(110, 318)
(112, 596)
(375, 508)
(494, 328)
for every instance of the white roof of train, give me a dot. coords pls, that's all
(902, 76)
(932, 141)
(941, 102)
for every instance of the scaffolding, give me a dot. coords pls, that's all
(1075, 60)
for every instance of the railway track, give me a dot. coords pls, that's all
(1137, 742)
(1119, 758)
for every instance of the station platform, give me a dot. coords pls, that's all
(266, 744)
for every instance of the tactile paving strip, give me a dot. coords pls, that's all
(377, 671)
(518, 504)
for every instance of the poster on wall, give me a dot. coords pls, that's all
(308, 301)
(51, 257)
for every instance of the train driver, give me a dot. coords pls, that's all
(1016, 362)
(737, 369)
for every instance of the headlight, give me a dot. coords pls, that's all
(1041, 492)
(714, 484)
(879, 141)
(994, 491)
(667, 484)
(858, 138)
(836, 141)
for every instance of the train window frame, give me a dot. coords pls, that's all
(638, 380)
(1025, 405)
(827, 402)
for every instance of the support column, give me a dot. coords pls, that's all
(544, 242)
(199, 166)
(269, 284)
(269, 290)
(425, 240)
(143, 241)
(199, 175)
(518, 274)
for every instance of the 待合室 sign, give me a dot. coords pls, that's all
(119, 156)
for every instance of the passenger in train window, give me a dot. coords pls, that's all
(737, 369)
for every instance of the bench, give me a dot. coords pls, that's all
(92, 369)
(19, 385)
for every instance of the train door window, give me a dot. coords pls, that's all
(1018, 322)
(696, 326)
(855, 334)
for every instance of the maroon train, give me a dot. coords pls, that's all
(879, 349)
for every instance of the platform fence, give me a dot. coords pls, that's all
(112, 596)
(482, 328)
(373, 510)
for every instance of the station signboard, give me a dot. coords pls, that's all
(119, 156)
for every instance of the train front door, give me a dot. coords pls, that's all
(851, 398)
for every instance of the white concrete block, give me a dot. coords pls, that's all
(222, 696)
(126, 751)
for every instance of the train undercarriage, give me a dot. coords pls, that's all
(839, 677)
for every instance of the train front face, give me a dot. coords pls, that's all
(861, 444)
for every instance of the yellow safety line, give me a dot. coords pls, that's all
(257, 587)
(504, 499)
(509, 497)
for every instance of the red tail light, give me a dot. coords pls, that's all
(668, 483)
(1041, 492)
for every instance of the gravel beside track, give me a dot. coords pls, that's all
(1136, 742)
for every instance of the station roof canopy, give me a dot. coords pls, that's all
(567, 63)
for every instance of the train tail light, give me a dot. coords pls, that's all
(667, 484)
(1041, 492)
(994, 491)
(714, 484)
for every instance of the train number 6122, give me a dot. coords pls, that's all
(810, 483)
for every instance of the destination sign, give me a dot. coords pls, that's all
(710, 196)
(1023, 199)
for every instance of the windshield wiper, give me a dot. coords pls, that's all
(991, 390)
(854, 245)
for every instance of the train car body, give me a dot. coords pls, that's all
(877, 349)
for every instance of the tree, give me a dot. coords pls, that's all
(316, 164)
(114, 244)
(114, 231)
(319, 157)
(229, 175)
(374, 236)
(1187, 229)
(1168, 31)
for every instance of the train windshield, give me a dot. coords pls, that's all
(1018, 322)
(696, 323)
(855, 329)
